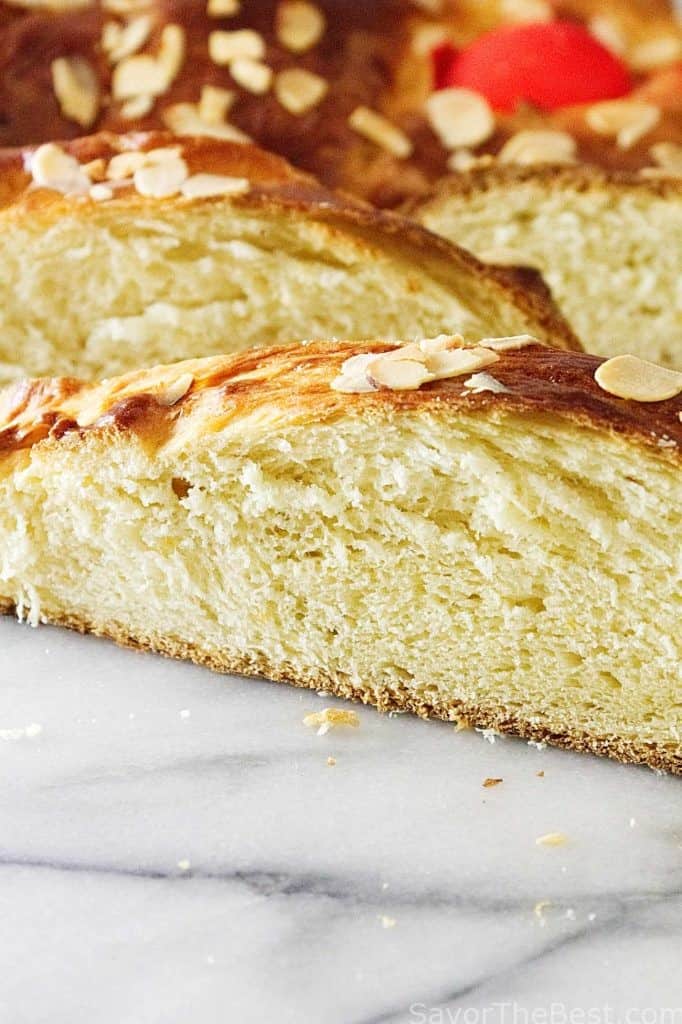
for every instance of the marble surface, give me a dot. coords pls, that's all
(175, 848)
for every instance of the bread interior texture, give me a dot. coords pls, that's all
(96, 295)
(611, 256)
(447, 564)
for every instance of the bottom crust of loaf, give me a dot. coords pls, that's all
(397, 698)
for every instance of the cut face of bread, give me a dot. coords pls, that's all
(501, 545)
(126, 251)
(610, 248)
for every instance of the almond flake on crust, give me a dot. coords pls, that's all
(222, 8)
(633, 378)
(121, 41)
(299, 25)
(199, 185)
(184, 119)
(514, 341)
(625, 120)
(480, 382)
(657, 52)
(398, 374)
(161, 180)
(215, 104)
(330, 718)
(252, 75)
(299, 91)
(51, 167)
(172, 393)
(224, 47)
(460, 117)
(76, 87)
(101, 193)
(539, 147)
(526, 10)
(668, 156)
(137, 106)
(381, 131)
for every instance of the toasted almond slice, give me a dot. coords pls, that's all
(398, 374)
(411, 351)
(378, 129)
(76, 87)
(215, 104)
(353, 377)
(51, 167)
(480, 382)
(526, 10)
(96, 170)
(426, 38)
(140, 75)
(460, 117)
(184, 119)
(608, 32)
(299, 25)
(441, 343)
(124, 165)
(626, 120)
(199, 185)
(138, 106)
(172, 393)
(252, 75)
(128, 39)
(222, 8)
(668, 156)
(455, 362)
(224, 47)
(172, 47)
(537, 146)
(514, 341)
(636, 379)
(161, 180)
(101, 193)
(299, 90)
(656, 52)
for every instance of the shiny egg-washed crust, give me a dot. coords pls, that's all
(292, 385)
(367, 55)
(276, 186)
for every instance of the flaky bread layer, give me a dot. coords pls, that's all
(93, 287)
(504, 549)
(608, 245)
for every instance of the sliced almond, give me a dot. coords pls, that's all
(668, 156)
(222, 8)
(120, 41)
(96, 170)
(441, 343)
(224, 47)
(172, 394)
(656, 53)
(426, 38)
(199, 185)
(378, 129)
(101, 193)
(514, 341)
(463, 160)
(51, 167)
(76, 87)
(215, 103)
(609, 33)
(172, 47)
(526, 10)
(299, 25)
(124, 165)
(398, 375)
(138, 106)
(460, 117)
(626, 120)
(539, 147)
(252, 75)
(480, 382)
(353, 376)
(636, 379)
(140, 75)
(455, 362)
(161, 180)
(299, 90)
(184, 119)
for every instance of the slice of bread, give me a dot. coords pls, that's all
(122, 251)
(500, 546)
(610, 246)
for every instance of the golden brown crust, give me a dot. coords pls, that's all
(397, 698)
(292, 384)
(366, 54)
(276, 185)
